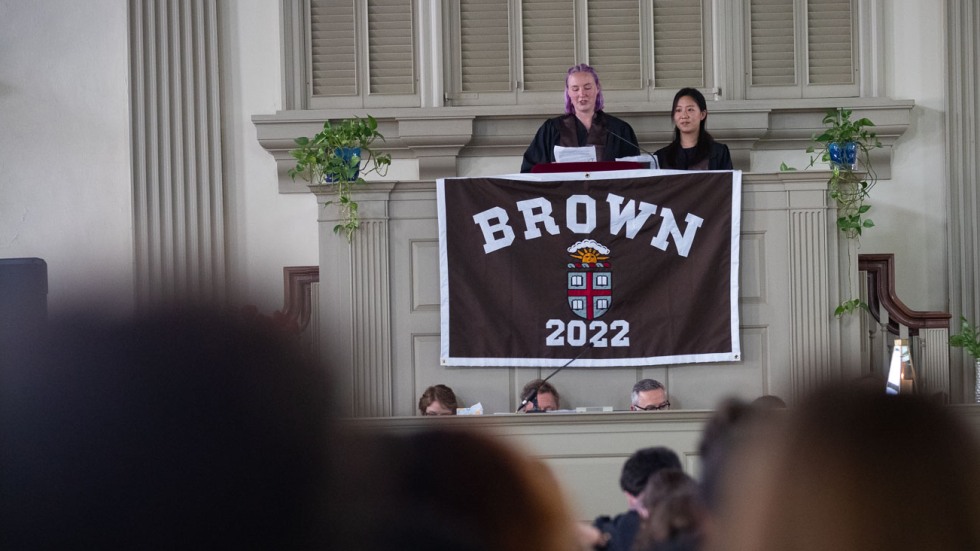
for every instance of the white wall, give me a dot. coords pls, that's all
(910, 209)
(267, 230)
(64, 146)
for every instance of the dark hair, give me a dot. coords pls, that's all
(674, 512)
(543, 388)
(583, 68)
(703, 148)
(171, 430)
(769, 401)
(733, 422)
(855, 460)
(644, 385)
(438, 393)
(643, 463)
(450, 490)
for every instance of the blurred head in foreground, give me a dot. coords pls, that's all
(451, 490)
(177, 429)
(852, 469)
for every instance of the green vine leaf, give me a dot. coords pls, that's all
(849, 307)
(967, 339)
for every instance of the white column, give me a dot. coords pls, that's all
(963, 216)
(178, 217)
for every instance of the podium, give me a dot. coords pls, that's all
(593, 166)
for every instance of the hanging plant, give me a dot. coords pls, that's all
(341, 155)
(846, 146)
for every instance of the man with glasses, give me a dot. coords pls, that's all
(649, 395)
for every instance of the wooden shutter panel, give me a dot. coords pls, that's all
(678, 44)
(484, 46)
(549, 43)
(334, 48)
(614, 43)
(773, 43)
(830, 45)
(391, 47)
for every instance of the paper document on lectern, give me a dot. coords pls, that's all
(575, 154)
(640, 265)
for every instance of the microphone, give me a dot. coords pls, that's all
(533, 395)
(653, 164)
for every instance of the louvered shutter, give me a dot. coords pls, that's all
(334, 49)
(549, 43)
(391, 47)
(678, 44)
(614, 43)
(773, 43)
(830, 47)
(484, 46)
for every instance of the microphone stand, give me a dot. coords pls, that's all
(532, 396)
(637, 146)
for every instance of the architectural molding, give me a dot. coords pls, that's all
(178, 205)
(436, 137)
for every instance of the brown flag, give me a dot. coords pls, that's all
(641, 267)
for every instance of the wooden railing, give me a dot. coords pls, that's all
(889, 318)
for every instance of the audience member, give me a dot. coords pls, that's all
(674, 513)
(583, 124)
(543, 397)
(693, 148)
(732, 422)
(769, 401)
(649, 395)
(449, 490)
(854, 470)
(174, 430)
(618, 533)
(438, 400)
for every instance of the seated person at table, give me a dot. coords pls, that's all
(583, 124)
(547, 398)
(693, 148)
(649, 395)
(438, 400)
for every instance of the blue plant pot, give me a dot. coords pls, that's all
(348, 154)
(843, 154)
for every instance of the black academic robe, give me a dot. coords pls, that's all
(719, 159)
(611, 136)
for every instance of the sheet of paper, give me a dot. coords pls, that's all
(476, 409)
(575, 154)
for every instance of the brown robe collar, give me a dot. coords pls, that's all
(568, 133)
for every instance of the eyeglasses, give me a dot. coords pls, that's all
(652, 407)
(437, 413)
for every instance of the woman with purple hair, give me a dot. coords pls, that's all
(583, 124)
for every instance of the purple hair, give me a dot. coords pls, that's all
(583, 68)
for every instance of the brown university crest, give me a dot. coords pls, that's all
(589, 279)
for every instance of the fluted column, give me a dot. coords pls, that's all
(178, 217)
(355, 308)
(823, 272)
(963, 207)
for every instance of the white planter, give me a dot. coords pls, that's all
(976, 381)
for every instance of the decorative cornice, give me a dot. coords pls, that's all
(436, 136)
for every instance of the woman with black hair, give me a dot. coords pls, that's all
(693, 148)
